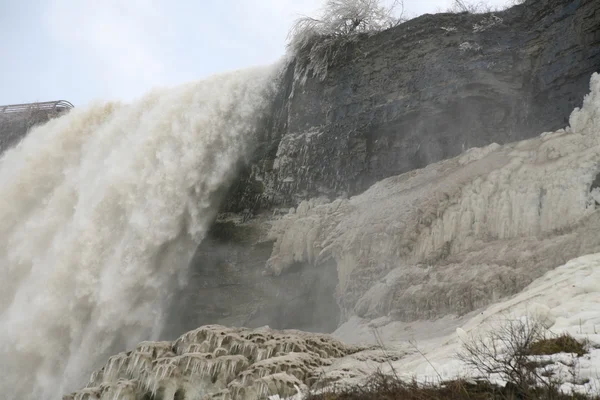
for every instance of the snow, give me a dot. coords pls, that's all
(486, 23)
(566, 298)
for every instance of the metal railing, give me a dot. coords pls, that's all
(58, 105)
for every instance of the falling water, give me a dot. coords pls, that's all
(100, 213)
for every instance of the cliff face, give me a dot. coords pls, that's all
(400, 100)
(422, 92)
(431, 246)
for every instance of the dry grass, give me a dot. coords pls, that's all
(561, 344)
(384, 387)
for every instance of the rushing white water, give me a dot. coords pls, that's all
(100, 213)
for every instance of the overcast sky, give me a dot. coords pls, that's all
(82, 50)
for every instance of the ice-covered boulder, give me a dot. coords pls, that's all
(215, 362)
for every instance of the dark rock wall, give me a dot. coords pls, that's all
(425, 91)
(226, 284)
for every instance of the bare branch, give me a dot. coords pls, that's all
(316, 42)
(505, 352)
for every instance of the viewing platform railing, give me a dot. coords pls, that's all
(58, 105)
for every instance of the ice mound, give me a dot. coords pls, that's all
(216, 362)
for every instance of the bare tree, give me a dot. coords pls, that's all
(316, 41)
(344, 17)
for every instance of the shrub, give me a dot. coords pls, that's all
(478, 7)
(505, 351)
(317, 43)
(561, 344)
(508, 350)
(464, 6)
(385, 387)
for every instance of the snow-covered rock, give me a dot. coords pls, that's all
(215, 362)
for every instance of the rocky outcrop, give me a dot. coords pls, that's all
(461, 233)
(227, 283)
(401, 100)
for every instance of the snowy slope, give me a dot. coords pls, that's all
(227, 363)
(568, 298)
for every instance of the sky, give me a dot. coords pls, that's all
(86, 50)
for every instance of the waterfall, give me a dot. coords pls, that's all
(101, 211)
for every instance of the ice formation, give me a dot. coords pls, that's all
(567, 299)
(459, 234)
(101, 211)
(218, 363)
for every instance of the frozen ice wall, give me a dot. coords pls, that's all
(101, 211)
(459, 234)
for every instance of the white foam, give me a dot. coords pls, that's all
(101, 211)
